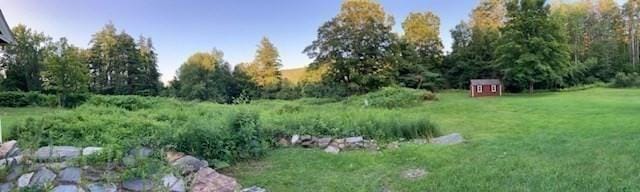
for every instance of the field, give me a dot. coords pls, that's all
(561, 141)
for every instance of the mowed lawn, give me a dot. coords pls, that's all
(567, 141)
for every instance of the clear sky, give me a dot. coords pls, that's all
(182, 27)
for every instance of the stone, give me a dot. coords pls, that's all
(332, 149)
(24, 180)
(101, 187)
(6, 187)
(371, 145)
(305, 138)
(138, 185)
(141, 152)
(354, 140)
(450, 139)
(208, 180)
(91, 150)
(11, 161)
(189, 164)
(254, 189)
(307, 143)
(324, 142)
(393, 145)
(414, 174)
(172, 156)
(57, 153)
(66, 188)
(283, 142)
(42, 177)
(70, 175)
(173, 184)
(295, 139)
(15, 173)
(340, 143)
(7, 148)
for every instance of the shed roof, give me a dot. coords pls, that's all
(5, 32)
(485, 82)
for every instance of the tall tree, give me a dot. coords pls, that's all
(632, 17)
(265, 69)
(65, 71)
(532, 49)
(151, 84)
(102, 59)
(206, 76)
(128, 75)
(422, 32)
(356, 44)
(24, 60)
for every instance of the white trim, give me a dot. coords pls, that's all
(479, 88)
(493, 88)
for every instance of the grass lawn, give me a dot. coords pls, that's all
(571, 141)
(13, 116)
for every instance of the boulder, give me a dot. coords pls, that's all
(324, 142)
(254, 189)
(6, 187)
(450, 139)
(24, 180)
(101, 187)
(57, 153)
(354, 140)
(332, 149)
(295, 139)
(66, 188)
(11, 161)
(189, 164)
(7, 148)
(173, 184)
(91, 150)
(138, 185)
(43, 176)
(70, 175)
(340, 143)
(172, 156)
(208, 180)
(305, 138)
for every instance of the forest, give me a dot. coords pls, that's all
(530, 44)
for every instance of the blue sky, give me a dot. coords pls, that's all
(180, 28)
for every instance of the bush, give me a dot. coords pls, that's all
(626, 80)
(23, 99)
(129, 102)
(394, 97)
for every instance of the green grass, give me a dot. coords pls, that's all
(570, 141)
(12, 116)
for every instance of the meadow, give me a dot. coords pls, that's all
(583, 140)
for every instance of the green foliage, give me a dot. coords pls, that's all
(393, 97)
(22, 99)
(131, 103)
(24, 60)
(626, 80)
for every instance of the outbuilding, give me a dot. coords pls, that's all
(485, 87)
(5, 33)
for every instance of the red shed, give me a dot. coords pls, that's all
(485, 87)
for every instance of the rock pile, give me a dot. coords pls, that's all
(50, 169)
(329, 144)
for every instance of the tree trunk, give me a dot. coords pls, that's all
(530, 87)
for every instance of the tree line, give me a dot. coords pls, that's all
(528, 44)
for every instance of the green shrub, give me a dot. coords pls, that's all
(626, 80)
(23, 99)
(394, 97)
(129, 102)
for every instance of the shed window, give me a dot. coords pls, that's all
(493, 88)
(479, 88)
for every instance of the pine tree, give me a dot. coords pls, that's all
(265, 69)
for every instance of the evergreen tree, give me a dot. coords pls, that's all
(532, 49)
(102, 60)
(265, 69)
(151, 84)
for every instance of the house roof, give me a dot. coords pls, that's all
(5, 33)
(485, 82)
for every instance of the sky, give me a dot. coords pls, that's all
(181, 28)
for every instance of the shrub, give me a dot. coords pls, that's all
(23, 99)
(394, 97)
(626, 80)
(129, 102)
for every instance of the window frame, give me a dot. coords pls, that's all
(478, 88)
(494, 88)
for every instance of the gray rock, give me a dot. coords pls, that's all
(141, 152)
(450, 139)
(57, 153)
(173, 183)
(101, 187)
(332, 149)
(91, 150)
(66, 188)
(208, 180)
(70, 175)
(42, 177)
(283, 142)
(6, 187)
(254, 189)
(354, 140)
(324, 142)
(6, 148)
(295, 139)
(138, 185)
(189, 164)
(305, 138)
(11, 161)
(24, 180)
(15, 172)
